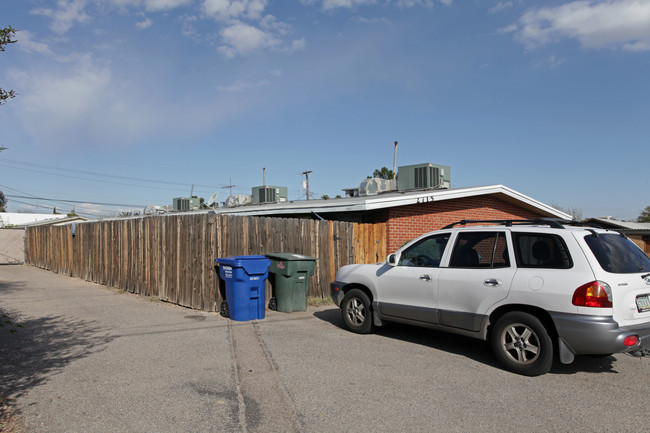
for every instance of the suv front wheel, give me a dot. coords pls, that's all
(357, 311)
(522, 345)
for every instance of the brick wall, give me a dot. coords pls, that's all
(408, 222)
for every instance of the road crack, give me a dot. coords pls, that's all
(264, 403)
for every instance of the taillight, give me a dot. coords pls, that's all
(631, 340)
(596, 294)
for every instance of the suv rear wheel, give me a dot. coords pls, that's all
(357, 311)
(522, 345)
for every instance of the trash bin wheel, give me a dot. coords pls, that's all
(273, 304)
(225, 312)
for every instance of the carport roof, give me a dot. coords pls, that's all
(391, 200)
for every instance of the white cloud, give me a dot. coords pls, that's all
(364, 20)
(150, 5)
(269, 22)
(67, 13)
(164, 5)
(407, 4)
(27, 43)
(79, 103)
(596, 24)
(144, 24)
(550, 62)
(351, 4)
(637, 46)
(243, 39)
(508, 29)
(234, 9)
(335, 4)
(298, 45)
(501, 5)
(246, 29)
(240, 86)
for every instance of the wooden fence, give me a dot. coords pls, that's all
(172, 257)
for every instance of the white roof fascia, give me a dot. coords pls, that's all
(534, 203)
(388, 200)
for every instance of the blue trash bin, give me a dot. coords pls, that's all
(245, 278)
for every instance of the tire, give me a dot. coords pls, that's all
(225, 311)
(273, 304)
(522, 345)
(356, 311)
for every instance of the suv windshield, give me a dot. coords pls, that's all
(617, 254)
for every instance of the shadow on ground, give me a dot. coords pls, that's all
(474, 349)
(41, 347)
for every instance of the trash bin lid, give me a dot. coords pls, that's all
(290, 257)
(251, 264)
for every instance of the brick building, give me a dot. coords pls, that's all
(409, 214)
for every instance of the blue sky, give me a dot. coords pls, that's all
(131, 102)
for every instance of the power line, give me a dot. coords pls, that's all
(86, 179)
(31, 196)
(85, 214)
(75, 201)
(17, 165)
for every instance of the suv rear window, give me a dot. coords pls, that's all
(617, 254)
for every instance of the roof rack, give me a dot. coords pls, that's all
(556, 223)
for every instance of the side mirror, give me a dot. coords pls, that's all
(392, 260)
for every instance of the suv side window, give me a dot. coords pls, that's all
(480, 250)
(540, 250)
(425, 253)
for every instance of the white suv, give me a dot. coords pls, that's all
(533, 288)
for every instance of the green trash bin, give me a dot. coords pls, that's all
(289, 276)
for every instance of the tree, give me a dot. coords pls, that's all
(575, 212)
(3, 202)
(5, 39)
(645, 216)
(383, 173)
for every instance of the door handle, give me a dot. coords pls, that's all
(425, 277)
(492, 283)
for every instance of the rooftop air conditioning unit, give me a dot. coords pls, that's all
(375, 185)
(423, 176)
(269, 194)
(186, 204)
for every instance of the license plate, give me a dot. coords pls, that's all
(643, 303)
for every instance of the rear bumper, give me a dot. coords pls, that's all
(598, 334)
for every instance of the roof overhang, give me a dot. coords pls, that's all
(393, 199)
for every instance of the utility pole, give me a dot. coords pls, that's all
(306, 173)
(229, 186)
(395, 162)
